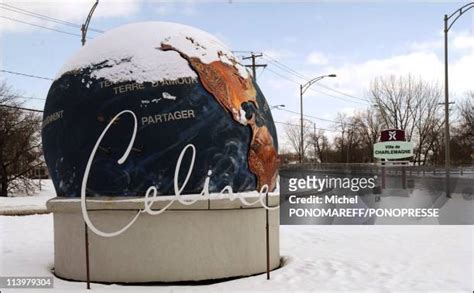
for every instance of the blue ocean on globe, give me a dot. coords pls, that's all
(170, 114)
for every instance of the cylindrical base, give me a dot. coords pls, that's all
(207, 240)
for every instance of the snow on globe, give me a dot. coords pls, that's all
(185, 87)
(167, 106)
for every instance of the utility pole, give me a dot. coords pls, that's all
(85, 26)
(254, 66)
(447, 26)
(446, 109)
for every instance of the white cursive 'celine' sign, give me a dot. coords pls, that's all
(151, 193)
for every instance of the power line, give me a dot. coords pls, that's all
(286, 68)
(244, 52)
(31, 98)
(40, 26)
(314, 117)
(30, 14)
(22, 108)
(311, 127)
(339, 92)
(290, 70)
(283, 76)
(305, 78)
(294, 112)
(25, 74)
(312, 89)
(44, 17)
(261, 72)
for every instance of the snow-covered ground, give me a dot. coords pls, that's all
(22, 204)
(355, 258)
(316, 257)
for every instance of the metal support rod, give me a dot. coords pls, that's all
(301, 125)
(383, 175)
(404, 178)
(267, 236)
(86, 238)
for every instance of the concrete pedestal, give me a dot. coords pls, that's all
(207, 240)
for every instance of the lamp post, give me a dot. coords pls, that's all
(448, 23)
(85, 26)
(303, 89)
(277, 106)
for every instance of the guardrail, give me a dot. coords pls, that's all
(412, 170)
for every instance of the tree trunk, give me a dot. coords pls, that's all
(4, 185)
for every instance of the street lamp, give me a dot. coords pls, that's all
(277, 106)
(447, 26)
(85, 26)
(303, 88)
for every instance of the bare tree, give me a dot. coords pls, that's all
(369, 124)
(466, 111)
(341, 141)
(428, 121)
(20, 149)
(462, 132)
(293, 134)
(411, 104)
(320, 143)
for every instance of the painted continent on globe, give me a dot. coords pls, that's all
(185, 87)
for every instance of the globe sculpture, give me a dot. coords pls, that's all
(185, 87)
(164, 107)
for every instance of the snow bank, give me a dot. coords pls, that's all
(318, 258)
(20, 204)
(132, 52)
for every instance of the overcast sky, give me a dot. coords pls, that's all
(355, 40)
